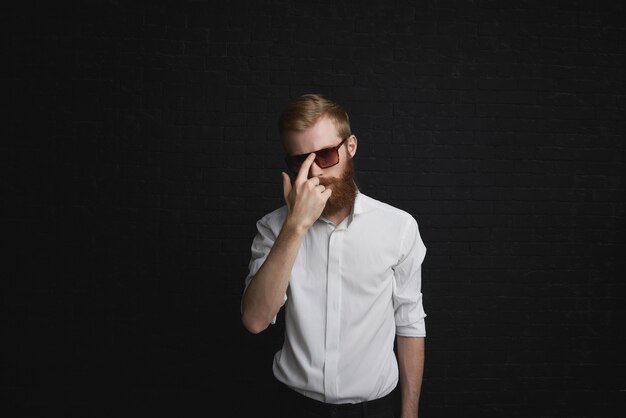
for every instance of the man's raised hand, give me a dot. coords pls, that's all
(306, 197)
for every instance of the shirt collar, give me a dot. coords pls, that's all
(357, 209)
(361, 205)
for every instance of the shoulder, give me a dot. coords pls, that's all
(274, 218)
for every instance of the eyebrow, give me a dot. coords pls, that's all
(322, 149)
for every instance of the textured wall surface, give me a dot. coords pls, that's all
(139, 148)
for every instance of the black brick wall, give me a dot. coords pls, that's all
(139, 147)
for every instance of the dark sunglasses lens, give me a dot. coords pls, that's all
(327, 158)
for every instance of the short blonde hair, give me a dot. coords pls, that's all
(306, 110)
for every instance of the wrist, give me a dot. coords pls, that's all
(295, 227)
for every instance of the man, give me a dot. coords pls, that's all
(347, 269)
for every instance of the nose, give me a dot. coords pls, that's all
(315, 170)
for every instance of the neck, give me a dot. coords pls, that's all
(338, 217)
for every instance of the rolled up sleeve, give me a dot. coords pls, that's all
(261, 246)
(260, 249)
(407, 290)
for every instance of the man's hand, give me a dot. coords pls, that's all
(306, 198)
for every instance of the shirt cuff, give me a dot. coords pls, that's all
(417, 329)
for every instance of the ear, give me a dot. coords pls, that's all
(352, 145)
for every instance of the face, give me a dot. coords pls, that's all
(340, 177)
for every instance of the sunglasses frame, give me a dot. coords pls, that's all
(302, 157)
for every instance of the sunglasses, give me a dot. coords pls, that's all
(324, 158)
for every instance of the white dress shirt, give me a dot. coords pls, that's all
(353, 287)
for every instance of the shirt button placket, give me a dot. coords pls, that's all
(333, 314)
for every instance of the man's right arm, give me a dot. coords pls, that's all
(264, 295)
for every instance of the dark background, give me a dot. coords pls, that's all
(139, 148)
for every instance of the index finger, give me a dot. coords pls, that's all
(303, 173)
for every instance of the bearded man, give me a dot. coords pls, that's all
(347, 270)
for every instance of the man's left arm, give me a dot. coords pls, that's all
(409, 316)
(411, 364)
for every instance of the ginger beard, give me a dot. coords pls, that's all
(344, 190)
